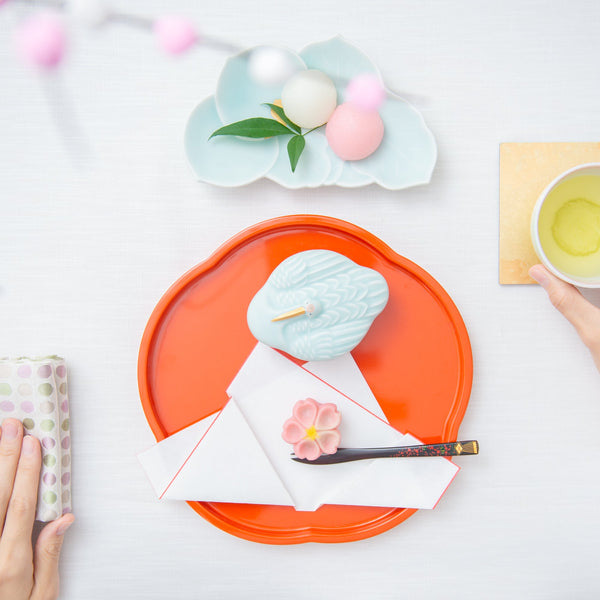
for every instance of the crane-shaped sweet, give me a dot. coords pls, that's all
(317, 305)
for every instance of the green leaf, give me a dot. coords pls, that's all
(258, 127)
(295, 147)
(279, 112)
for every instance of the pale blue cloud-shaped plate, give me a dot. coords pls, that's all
(405, 158)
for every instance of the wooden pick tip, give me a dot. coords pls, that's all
(296, 312)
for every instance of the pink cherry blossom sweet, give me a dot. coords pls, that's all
(313, 429)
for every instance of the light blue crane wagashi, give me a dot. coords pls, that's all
(317, 305)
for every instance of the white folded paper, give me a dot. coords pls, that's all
(238, 454)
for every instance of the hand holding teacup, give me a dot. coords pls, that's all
(583, 315)
(565, 231)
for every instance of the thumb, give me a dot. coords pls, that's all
(583, 315)
(45, 558)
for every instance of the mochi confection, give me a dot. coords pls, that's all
(313, 429)
(316, 305)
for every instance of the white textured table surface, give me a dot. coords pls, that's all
(86, 250)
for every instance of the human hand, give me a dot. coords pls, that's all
(583, 315)
(26, 573)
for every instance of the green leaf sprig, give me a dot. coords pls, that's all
(261, 127)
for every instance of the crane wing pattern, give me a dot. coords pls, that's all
(346, 298)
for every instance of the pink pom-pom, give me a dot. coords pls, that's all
(175, 34)
(3, 2)
(365, 91)
(41, 41)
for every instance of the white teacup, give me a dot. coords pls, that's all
(565, 226)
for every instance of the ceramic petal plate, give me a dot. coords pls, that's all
(405, 158)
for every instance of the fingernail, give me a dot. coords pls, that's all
(28, 445)
(60, 530)
(540, 276)
(9, 430)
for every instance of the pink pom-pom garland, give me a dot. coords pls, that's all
(41, 41)
(175, 34)
(365, 91)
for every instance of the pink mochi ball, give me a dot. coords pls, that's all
(175, 34)
(41, 41)
(353, 133)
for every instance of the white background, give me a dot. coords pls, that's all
(88, 246)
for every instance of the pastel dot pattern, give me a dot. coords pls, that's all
(34, 390)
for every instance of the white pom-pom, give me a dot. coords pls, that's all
(91, 13)
(270, 66)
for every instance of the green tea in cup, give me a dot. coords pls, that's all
(565, 226)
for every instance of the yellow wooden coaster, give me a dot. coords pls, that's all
(525, 170)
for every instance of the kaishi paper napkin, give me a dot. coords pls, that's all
(238, 455)
(34, 390)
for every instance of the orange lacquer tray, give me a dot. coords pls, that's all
(416, 358)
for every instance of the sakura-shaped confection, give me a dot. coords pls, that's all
(313, 429)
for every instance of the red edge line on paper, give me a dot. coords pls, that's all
(328, 385)
(190, 455)
(345, 395)
(221, 411)
(383, 421)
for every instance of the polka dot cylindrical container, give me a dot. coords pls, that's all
(34, 390)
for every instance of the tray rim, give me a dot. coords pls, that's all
(393, 516)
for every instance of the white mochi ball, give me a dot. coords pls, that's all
(309, 98)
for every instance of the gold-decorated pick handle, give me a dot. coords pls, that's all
(351, 454)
